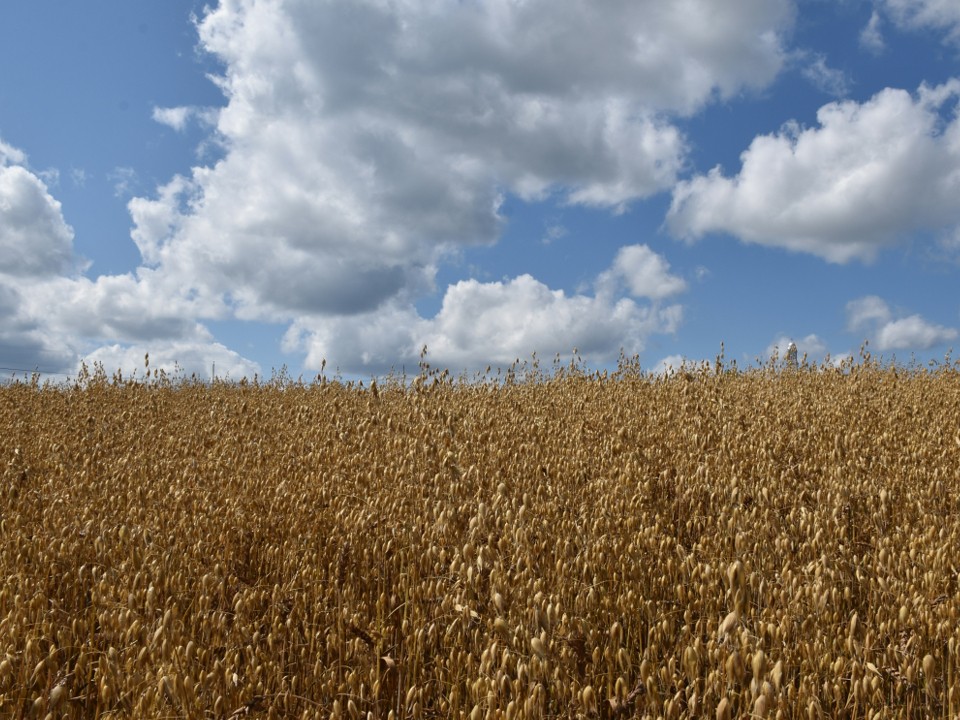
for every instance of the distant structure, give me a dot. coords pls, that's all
(791, 356)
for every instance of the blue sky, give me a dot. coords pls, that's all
(257, 184)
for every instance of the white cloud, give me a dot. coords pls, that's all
(118, 307)
(366, 141)
(53, 319)
(174, 117)
(51, 316)
(943, 15)
(10, 155)
(35, 241)
(872, 315)
(178, 117)
(913, 332)
(36, 245)
(25, 343)
(154, 221)
(841, 359)
(502, 321)
(644, 273)
(175, 359)
(866, 311)
(670, 363)
(871, 37)
(479, 324)
(868, 177)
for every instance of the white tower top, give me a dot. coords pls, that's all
(791, 356)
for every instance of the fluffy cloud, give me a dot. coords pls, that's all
(34, 239)
(176, 359)
(913, 332)
(36, 245)
(115, 307)
(508, 320)
(869, 176)
(25, 342)
(872, 315)
(643, 272)
(51, 315)
(366, 141)
(482, 324)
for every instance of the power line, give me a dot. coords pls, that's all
(34, 370)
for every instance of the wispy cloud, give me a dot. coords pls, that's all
(941, 15)
(871, 37)
(827, 79)
(553, 232)
(179, 117)
(78, 177)
(124, 181)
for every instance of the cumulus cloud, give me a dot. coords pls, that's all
(913, 332)
(35, 241)
(36, 245)
(113, 307)
(57, 319)
(176, 359)
(25, 342)
(513, 319)
(367, 141)
(644, 273)
(51, 315)
(480, 324)
(868, 177)
(942, 15)
(872, 315)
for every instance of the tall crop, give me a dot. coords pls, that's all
(708, 543)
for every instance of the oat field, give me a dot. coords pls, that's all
(712, 543)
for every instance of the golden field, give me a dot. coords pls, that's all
(705, 544)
